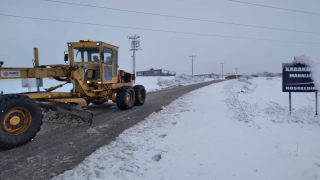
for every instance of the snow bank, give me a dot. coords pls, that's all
(247, 106)
(134, 151)
(181, 80)
(151, 83)
(244, 111)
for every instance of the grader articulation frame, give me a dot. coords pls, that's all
(93, 71)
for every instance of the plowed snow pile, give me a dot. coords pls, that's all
(54, 117)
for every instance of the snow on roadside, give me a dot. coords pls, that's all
(134, 151)
(151, 83)
(244, 111)
(156, 83)
(196, 137)
(247, 104)
(181, 80)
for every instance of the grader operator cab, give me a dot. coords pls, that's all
(91, 67)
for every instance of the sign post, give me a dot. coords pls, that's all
(316, 102)
(290, 102)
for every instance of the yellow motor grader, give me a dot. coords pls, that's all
(91, 67)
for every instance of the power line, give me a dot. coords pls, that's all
(190, 2)
(185, 18)
(273, 7)
(157, 30)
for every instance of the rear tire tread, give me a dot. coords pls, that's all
(121, 98)
(139, 90)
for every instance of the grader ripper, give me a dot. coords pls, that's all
(92, 68)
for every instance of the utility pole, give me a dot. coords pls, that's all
(222, 70)
(135, 45)
(236, 73)
(192, 62)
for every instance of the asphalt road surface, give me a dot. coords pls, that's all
(60, 147)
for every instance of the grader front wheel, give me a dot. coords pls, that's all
(20, 120)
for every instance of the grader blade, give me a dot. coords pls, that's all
(57, 112)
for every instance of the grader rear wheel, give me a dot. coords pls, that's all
(125, 98)
(20, 120)
(140, 93)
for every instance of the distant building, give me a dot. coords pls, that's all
(156, 72)
(264, 74)
(207, 75)
(278, 74)
(269, 74)
(233, 76)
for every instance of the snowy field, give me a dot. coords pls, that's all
(235, 129)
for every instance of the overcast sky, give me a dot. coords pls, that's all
(169, 51)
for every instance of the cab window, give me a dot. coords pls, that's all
(85, 54)
(115, 63)
(107, 55)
